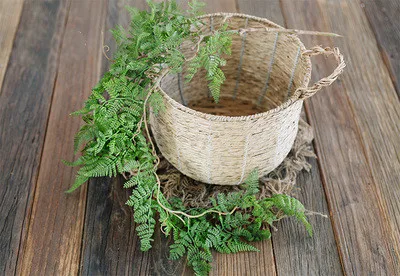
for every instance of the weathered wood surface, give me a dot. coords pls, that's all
(54, 237)
(25, 100)
(357, 125)
(8, 26)
(110, 244)
(58, 47)
(294, 252)
(383, 16)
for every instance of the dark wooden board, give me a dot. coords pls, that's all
(110, 243)
(54, 237)
(383, 16)
(355, 123)
(294, 251)
(24, 106)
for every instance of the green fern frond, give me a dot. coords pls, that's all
(239, 246)
(79, 162)
(156, 102)
(79, 180)
(251, 183)
(292, 207)
(177, 251)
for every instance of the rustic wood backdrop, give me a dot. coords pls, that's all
(51, 56)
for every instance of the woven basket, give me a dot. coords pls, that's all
(266, 80)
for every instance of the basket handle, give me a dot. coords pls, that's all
(306, 92)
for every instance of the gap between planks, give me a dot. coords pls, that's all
(22, 140)
(294, 251)
(62, 215)
(361, 126)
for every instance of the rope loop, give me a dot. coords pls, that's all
(306, 92)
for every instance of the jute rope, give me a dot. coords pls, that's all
(267, 71)
(304, 93)
(282, 180)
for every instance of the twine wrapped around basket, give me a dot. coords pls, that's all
(268, 71)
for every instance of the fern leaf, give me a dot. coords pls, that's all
(292, 207)
(80, 161)
(252, 183)
(85, 134)
(79, 180)
(239, 246)
(177, 250)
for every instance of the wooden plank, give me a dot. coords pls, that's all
(54, 236)
(259, 263)
(24, 105)
(358, 143)
(294, 251)
(110, 245)
(377, 112)
(212, 6)
(383, 16)
(269, 9)
(8, 26)
(110, 242)
(220, 6)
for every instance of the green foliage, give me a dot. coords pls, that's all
(229, 233)
(252, 184)
(210, 57)
(112, 134)
(142, 202)
(291, 207)
(112, 139)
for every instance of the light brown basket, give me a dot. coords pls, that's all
(269, 70)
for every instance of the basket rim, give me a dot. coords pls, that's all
(222, 118)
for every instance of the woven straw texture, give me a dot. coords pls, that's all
(256, 121)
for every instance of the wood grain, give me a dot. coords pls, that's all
(294, 251)
(110, 245)
(376, 110)
(356, 122)
(110, 242)
(8, 26)
(383, 16)
(212, 6)
(254, 263)
(269, 9)
(24, 106)
(54, 236)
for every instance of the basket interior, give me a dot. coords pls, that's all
(263, 71)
